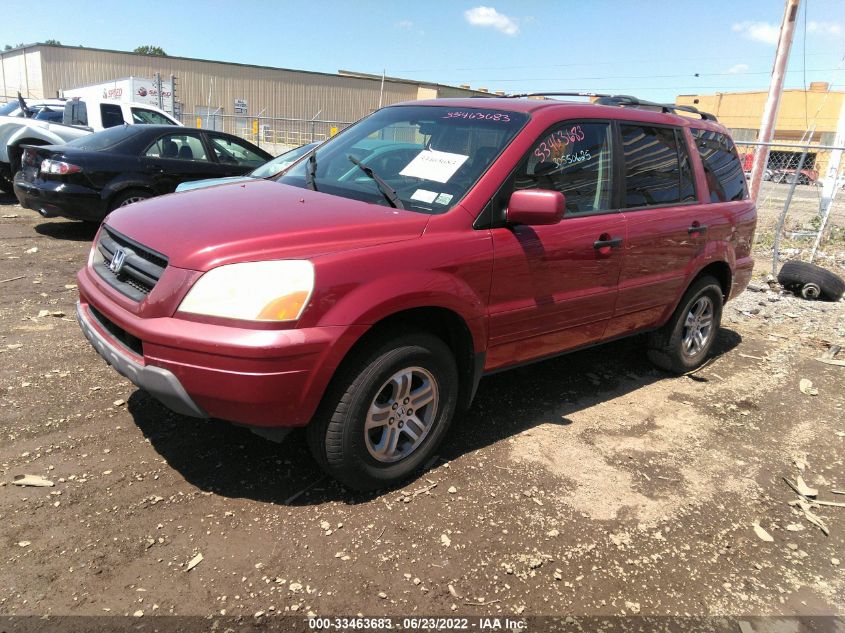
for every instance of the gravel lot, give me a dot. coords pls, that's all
(588, 485)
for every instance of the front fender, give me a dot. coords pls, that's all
(385, 296)
(14, 134)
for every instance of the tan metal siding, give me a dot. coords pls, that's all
(280, 93)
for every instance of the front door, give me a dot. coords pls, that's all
(554, 287)
(178, 157)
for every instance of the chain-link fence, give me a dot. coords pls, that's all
(274, 134)
(801, 203)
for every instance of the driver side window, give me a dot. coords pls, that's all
(575, 159)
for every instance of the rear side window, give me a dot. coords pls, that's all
(722, 166)
(177, 147)
(575, 159)
(112, 114)
(657, 166)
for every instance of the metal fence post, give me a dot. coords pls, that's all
(782, 219)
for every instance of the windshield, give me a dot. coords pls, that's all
(429, 155)
(273, 167)
(106, 139)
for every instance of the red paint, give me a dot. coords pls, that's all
(523, 292)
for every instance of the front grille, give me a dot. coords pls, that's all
(140, 270)
(132, 343)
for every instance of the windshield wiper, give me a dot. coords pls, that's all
(311, 172)
(387, 191)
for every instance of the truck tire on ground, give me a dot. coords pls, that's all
(386, 411)
(683, 344)
(795, 275)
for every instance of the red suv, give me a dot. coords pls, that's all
(366, 291)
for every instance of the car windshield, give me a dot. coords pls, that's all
(430, 156)
(273, 167)
(107, 138)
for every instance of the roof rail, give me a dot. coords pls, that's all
(633, 102)
(564, 94)
(619, 100)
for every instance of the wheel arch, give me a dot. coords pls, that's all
(721, 270)
(444, 323)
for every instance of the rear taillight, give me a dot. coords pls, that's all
(59, 167)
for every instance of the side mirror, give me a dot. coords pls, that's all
(535, 207)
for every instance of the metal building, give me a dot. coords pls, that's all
(220, 94)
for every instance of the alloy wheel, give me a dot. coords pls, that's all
(698, 327)
(401, 414)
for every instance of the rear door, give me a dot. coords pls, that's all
(554, 287)
(667, 226)
(178, 157)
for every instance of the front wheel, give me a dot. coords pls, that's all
(386, 412)
(683, 344)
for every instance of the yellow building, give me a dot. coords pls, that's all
(799, 111)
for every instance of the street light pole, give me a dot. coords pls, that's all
(770, 113)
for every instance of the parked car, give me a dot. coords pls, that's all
(33, 108)
(368, 308)
(804, 177)
(270, 169)
(89, 177)
(79, 118)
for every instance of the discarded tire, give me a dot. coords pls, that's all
(811, 281)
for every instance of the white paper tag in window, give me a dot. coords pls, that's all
(424, 196)
(433, 165)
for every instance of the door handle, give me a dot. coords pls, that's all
(697, 228)
(609, 243)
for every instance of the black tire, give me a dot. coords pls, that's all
(337, 436)
(795, 275)
(123, 198)
(666, 346)
(6, 185)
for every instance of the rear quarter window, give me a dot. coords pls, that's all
(722, 166)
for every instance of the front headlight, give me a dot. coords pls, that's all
(253, 291)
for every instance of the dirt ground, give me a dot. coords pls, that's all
(588, 485)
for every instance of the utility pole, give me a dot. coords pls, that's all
(770, 113)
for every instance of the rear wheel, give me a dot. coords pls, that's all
(386, 412)
(683, 344)
(128, 197)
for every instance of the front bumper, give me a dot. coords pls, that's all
(158, 382)
(253, 377)
(60, 199)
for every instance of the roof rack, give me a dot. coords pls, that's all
(564, 94)
(633, 102)
(622, 101)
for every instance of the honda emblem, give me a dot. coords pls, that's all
(117, 261)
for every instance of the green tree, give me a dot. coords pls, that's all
(53, 42)
(150, 50)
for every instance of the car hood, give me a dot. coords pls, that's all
(259, 220)
(210, 182)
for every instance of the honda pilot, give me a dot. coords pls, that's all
(366, 291)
